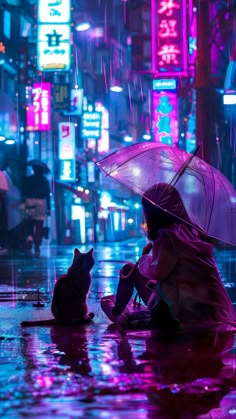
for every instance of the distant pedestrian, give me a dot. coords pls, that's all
(36, 193)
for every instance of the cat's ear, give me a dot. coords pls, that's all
(76, 252)
(91, 251)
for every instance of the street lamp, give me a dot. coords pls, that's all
(82, 26)
(115, 86)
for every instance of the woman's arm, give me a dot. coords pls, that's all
(163, 260)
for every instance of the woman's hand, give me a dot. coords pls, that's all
(147, 249)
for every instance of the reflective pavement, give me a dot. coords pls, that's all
(98, 370)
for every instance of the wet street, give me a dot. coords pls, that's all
(98, 370)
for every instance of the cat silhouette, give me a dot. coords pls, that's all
(69, 301)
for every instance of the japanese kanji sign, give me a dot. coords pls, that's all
(169, 38)
(54, 11)
(67, 150)
(38, 115)
(54, 32)
(165, 117)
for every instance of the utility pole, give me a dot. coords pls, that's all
(205, 92)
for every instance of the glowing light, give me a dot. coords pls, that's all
(128, 139)
(10, 141)
(2, 138)
(116, 89)
(83, 26)
(136, 171)
(146, 136)
(229, 99)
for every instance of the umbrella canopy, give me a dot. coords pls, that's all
(208, 196)
(3, 182)
(39, 163)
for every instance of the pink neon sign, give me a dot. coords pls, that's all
(169, 40)
(165, 117)
(38, 116)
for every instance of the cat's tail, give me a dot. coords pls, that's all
(48, 322)
(52, 322)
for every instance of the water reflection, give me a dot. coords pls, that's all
(182, 373)
(72, 346)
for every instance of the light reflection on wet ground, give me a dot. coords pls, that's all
(97, 370)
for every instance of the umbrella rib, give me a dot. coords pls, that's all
(183, 168)
(213, 200)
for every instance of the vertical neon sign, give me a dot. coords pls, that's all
(38, 116)
(169, 40)
(165, 117)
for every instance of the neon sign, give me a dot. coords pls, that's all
(38, 115)
(54, 11)
(164, 84)
(169, 40)
(67, 151)
(165, 117)
(54, 33)
(91, 125)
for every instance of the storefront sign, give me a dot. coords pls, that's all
(67, 151)
(54, 31)
(76, 102)
(54, 11)
(67, 170)
(53, 48)
(165, 117)
(91, 125)
(38, 115)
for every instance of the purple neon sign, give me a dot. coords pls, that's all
(38, 115)
(165, 117)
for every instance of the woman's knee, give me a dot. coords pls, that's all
(125, 270)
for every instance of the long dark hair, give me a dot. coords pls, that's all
(162, 207)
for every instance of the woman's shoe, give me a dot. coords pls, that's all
(107, 306)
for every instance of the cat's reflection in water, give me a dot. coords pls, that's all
(72, 343)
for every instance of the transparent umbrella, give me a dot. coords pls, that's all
(208, 196)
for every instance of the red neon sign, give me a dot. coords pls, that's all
(169, 38)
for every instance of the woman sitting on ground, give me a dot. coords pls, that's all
(179, 282)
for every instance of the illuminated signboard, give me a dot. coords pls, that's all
(53, 48)
(76, 102)
(38, 115)
(103, 142)
(164, 84)
(165, 117)
(54, 11)
(169, 40)
(67, 151)
(67, 170)
(54, 31)
(91, 125)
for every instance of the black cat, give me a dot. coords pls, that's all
(69, 301)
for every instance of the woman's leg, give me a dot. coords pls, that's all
(126, 288)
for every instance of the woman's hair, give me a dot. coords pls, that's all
(162, 207)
